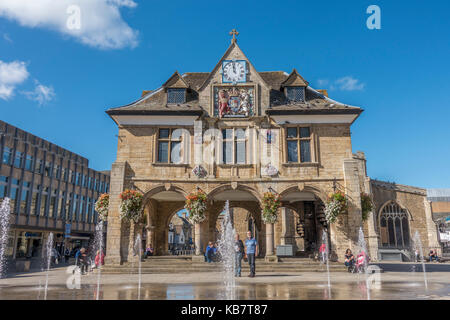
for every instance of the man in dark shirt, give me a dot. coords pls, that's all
(239, 248)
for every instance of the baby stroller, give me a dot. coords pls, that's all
(362, 262)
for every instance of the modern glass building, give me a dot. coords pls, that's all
(51, 190)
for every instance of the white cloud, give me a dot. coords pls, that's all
(322, 82)
(97, 23)
(11, 75)
(42, 94)
(349, 84)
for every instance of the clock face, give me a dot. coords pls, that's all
(234, 71)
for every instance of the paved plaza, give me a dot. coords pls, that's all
(283, 286)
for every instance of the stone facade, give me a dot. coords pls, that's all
(303, 167)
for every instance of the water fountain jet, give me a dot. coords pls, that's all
(48, 254)
(5, 210)
(228, 254)
(138, 252)
(418, 246)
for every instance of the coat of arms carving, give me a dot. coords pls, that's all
(232, 102)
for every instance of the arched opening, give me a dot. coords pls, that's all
(301, 221)
(180, 234)
(161, 206)
(394, 226)
(245, 212)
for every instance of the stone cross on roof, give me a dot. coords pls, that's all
(234, 33)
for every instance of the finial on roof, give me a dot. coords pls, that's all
(234, 33)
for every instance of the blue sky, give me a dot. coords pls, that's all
(65, 80)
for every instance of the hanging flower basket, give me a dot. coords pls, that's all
(335, 206)
(102, 206)
(196, 206)
(131, 205)
(366, 205)
(271, 203)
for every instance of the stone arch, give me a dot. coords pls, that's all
(397, 202)
(227, 187)
(305, 188)
(159, 212)
(160, 188)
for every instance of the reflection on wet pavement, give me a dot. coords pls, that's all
(248, 291)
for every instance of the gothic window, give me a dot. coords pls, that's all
(176, 96)
(394, 226)
(234, 149)
(298, 144)
(169, 146)
(295, 94)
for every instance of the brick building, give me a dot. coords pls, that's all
(51, 190)
(236, 133)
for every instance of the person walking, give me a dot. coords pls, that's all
(67, 255)
(239, 248)
(83, 261)
(252, 251)
(99, 259)
(210, 252)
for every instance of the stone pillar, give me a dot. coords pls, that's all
(371, 222)
(150, 236)
(113, 239)
(198, 239)
(353, 192)
(270, 255)
(433, 242)
(284, 226)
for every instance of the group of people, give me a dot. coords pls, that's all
(248, 249)
(84, 261)
(357, 264)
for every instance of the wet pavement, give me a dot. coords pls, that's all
(305, 286)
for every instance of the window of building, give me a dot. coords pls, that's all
(298, 144)
(394, 227)
(74, 208)
(35, 201)
(81, 210)
(53, 202)
(7, 156)
(48, 169)
(29, 162)
(176, 96)
(234, 146)
(295, 94)
(18, 159)
(72, 176)
(169, 146)
(61, 203)
(25, 196)
(3, 186)
(44, 201)
(39, 168)
(15, 195)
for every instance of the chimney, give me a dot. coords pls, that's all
(324, 92)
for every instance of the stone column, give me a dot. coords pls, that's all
(353, 192)
(198, 239)
(270, 255)
(284, 227)
(431, 227)
(113, 239)
(371, 222)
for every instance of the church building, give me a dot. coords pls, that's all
(236, 133)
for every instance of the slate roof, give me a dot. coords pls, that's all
(155, 102)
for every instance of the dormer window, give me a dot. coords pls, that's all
(295, 94)
(176, 96)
